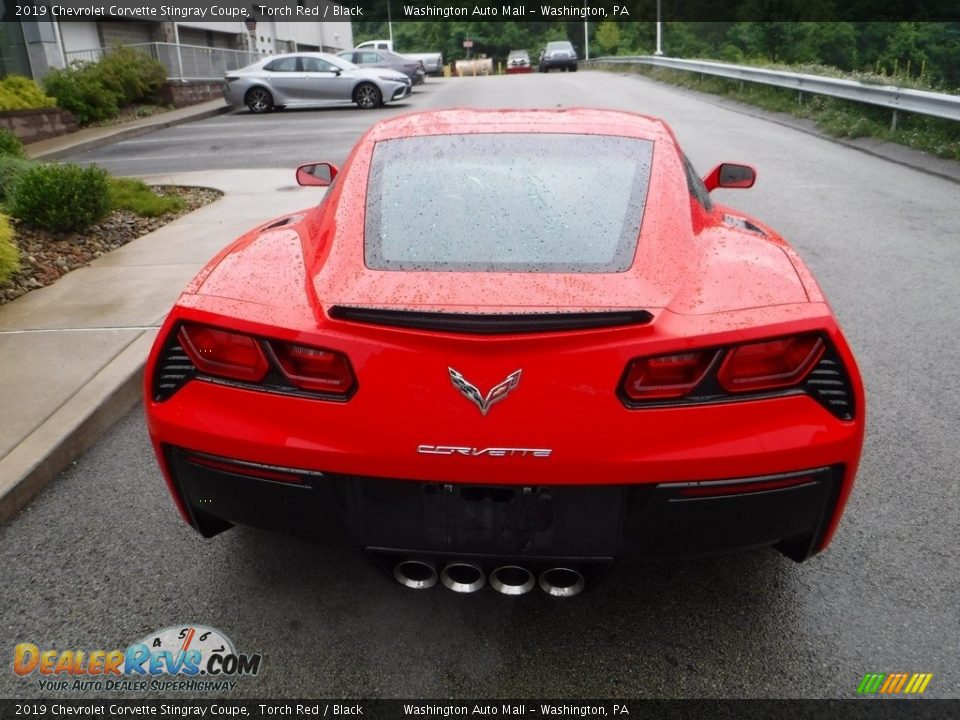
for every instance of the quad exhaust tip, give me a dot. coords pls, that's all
(416, 574)
(561, 582)
(462, 577)
(512, 580)
(465, 577)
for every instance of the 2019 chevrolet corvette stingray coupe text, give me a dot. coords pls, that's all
(511, 347)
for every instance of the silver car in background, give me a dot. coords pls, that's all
(311, 78)
(413, 69)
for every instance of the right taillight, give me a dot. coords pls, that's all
(804, 362)
(769, 365)
(666, 376)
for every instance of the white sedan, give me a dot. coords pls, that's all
(311, 78)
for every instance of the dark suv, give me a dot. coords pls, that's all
(558, 54)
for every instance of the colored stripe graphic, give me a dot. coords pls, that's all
(922, 682)
(870, 683)
(894, 683)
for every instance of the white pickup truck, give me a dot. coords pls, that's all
(432, 62)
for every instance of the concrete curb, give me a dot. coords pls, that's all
(111, 383)
(75, 427)
(123, 134)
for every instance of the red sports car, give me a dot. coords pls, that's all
(511, 347)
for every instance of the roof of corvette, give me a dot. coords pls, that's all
(590, 121)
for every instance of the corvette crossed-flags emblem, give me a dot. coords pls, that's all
(497, 393)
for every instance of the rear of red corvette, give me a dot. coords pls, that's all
(514, 376)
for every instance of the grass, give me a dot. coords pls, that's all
(840, 118)
(137, 197)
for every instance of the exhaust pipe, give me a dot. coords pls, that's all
(511, 580)
(561, 582)
(462, 577)
(416, 574)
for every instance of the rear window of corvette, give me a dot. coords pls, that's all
(506, 203)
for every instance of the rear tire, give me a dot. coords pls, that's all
(367, 96)
(259, 100)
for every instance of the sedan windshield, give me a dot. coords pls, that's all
(506, 202)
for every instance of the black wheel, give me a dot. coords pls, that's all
(573, 69)
(259, 100)
(367, 96)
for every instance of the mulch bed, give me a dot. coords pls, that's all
(46, 256)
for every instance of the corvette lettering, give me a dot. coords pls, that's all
(478, 452)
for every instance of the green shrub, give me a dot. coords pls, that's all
(97, 91)
(61, 197)
(21, 93)
(80, 90)
(131, 75)
(11, 167)
(9, 252)
(10, 145)
(138, 197)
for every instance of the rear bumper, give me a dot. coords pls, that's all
(588, 524)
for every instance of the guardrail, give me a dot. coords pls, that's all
(939, 105)
(183, 62)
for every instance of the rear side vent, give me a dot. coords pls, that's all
(829, 385)
(291, 220)
(173, 371)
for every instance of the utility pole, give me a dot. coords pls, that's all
(586, 31)
(659, 50)
(390, 26)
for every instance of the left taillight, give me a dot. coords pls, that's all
(223, 353)
(316, 369)
(267, 364)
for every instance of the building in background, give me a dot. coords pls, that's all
(190, 50)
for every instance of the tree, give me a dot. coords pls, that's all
(608, 37)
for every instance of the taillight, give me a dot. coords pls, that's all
(316, 369)
(770, 364)
(666, 376)
(222, 353)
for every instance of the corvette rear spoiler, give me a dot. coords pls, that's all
(491, 323)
